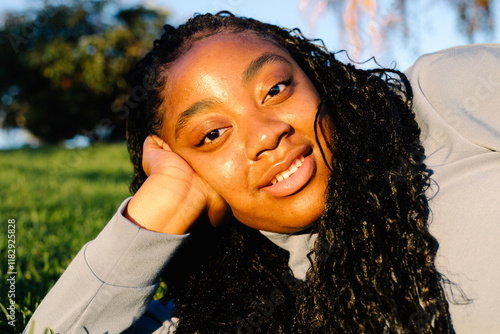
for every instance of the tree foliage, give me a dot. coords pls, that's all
(364, 17)
(64, 67)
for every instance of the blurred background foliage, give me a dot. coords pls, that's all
(368, 24)
(63, 67)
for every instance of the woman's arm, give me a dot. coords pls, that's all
(111, 281)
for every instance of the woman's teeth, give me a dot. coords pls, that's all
(286, 174)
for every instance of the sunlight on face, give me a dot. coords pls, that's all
(241, 112)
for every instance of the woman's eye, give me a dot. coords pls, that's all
(211, 136)
(275, 90)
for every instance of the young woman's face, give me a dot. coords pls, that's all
(241, 112)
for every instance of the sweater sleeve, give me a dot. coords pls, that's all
(110, 283)
(457, 105)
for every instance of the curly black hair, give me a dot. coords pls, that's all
(372, 266)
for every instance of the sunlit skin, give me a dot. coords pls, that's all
(238, 112)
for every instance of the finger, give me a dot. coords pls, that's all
(160, 143)
(219, 214)
(219, 211)
(152, 142)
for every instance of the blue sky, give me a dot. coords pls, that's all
(435, 24)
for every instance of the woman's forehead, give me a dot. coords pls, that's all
(246, 42)
(224, 54)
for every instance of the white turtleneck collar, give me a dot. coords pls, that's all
(298, 245)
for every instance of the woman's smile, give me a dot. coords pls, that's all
(298, 170)
(296, 164)
(241, 112)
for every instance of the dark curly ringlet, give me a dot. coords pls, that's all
(373, 263)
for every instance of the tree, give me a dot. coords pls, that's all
(66, 65)
(364, 17)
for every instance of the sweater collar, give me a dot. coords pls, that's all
(298, 244)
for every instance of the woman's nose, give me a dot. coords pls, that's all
(264, 134)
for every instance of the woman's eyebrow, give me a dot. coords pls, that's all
(258, 63)
(190, 112)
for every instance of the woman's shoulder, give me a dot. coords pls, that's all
(476, 55)
(453, 73)
(456, 96)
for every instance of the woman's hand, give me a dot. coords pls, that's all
(174, 196)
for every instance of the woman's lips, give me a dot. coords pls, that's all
(293, 179)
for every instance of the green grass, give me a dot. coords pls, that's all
(60, 199)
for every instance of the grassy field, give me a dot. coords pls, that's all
(60, 199)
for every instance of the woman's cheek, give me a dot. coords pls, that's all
(224, 175)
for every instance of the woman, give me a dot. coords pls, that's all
(278, 189)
